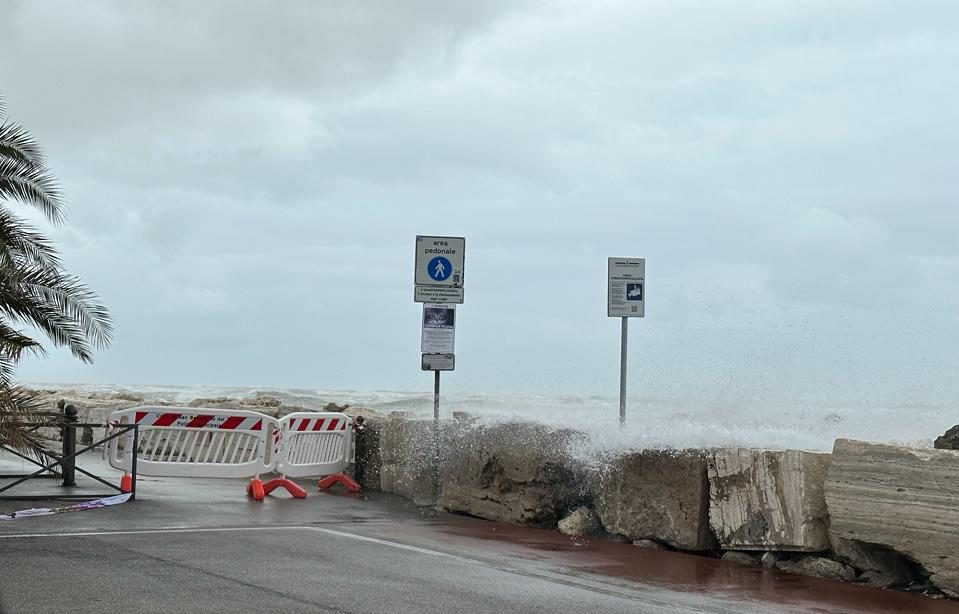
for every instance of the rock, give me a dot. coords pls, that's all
(583, 521)
(876, 579)
(948, 440)
(116, 396)
(769, 499)
(657, 494)
(650, 544)
(818, 567)
(519, 473)
(769, 559)
(900, 498)
(743, 558)
(884, 566)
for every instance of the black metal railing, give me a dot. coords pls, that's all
(64, 465)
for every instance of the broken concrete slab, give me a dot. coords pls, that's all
(769, 500)
(657, 494)
(519, 472)
(901, 498)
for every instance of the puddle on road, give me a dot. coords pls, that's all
(690, 573)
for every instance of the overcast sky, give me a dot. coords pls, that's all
(246, 181)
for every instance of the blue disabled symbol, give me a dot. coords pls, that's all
(439, 268)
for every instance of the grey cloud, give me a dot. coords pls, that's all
(246, 182)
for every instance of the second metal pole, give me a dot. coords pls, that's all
(436, 435)
(622, 374)
(436, 398)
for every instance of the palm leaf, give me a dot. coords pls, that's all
(14, 344)
(22, 245)
(33, 185)
(19, 408)
(59, 305)
(17, 144)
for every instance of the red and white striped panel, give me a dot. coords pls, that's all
(194, 442)
(327, 423)
(199, 421)
(314, 444)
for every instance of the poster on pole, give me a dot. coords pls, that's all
(439, 328)
(627, 288)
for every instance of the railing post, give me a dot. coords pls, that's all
(69, 445)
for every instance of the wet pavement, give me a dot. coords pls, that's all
(202, 546)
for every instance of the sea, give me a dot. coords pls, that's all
(650, 422)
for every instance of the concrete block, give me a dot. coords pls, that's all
(769, 500)
(657, 494)
(901, 498)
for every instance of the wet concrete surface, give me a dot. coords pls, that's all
(202, 546)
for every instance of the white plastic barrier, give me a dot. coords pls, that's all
(195, 442)
(231, 443)
(313, 444)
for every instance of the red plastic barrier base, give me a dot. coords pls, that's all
(126, 483)
(291, 487)
(255, 489)
(339, 478)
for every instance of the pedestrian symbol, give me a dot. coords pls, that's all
(439, 268)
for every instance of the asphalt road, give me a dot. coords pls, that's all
(202, 546)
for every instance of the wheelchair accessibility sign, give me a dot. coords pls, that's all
(627, 288)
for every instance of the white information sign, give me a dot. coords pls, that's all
(438, 362)
(438, 294)
(439, 261)
(627, 288)
(439, 328)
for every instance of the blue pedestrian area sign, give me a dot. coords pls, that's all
(439, 261)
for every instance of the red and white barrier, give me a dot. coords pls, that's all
(227, 443)
(199, 443)
(316, 444)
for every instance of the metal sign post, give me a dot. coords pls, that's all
(626, 299)
(438, 284)
(622, 373)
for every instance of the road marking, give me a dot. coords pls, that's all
(384, 542)
(151, 531)
(160, 531)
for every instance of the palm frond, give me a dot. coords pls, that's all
(32, 185)
(75, 301)
(14, 344)
(21, 244)
(17, 144)
(60, 305)
(20, 407)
